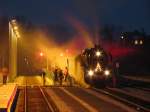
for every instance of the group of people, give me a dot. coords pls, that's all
(60, 75)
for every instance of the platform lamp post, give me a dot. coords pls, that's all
(67, 51)
(47, 64)
(13, 36)
(41, 55)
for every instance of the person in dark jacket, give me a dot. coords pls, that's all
(60, 76)
(4, 74)
(56, 74)
(44, 76)
(66, 73)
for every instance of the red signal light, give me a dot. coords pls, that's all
(41, 54)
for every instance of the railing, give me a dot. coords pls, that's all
(25, 99)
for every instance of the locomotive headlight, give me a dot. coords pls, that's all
(107, 72)
(98, 53)
(90, 72)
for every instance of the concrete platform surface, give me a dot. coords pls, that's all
(35, 80)
(7, 95)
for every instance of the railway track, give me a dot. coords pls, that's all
(136, 103)
(35, 99)
(20, 106)
(142, 88)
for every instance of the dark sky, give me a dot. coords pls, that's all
(130, 13)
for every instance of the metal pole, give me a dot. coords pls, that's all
(12, 54)
(47, 62)
(47, 59)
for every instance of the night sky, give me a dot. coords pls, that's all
(133, 14)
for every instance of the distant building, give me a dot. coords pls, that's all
(134, 38)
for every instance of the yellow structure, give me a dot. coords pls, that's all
(7, 95)
(13, 35)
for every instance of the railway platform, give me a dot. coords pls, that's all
(8, 93)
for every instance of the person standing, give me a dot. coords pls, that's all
(43, 76)
(55, 75)
(66, 73)
(60, 76)
(4, 74)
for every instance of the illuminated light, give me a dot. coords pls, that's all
(98, 67)
(15, 28)
(18, 36)
(136, 42)
(41, 54)
(98, 53)
(13, 21)
(107, 72)
(122, 37)
(61, 54)
(17, 33)
(90, 73)
(141, 42)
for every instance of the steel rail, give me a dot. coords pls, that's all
(44, 97)
(128, 102)
(141, 88)
(47, 101)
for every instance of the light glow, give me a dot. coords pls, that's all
(41, 54)
(136, 42)
(90, 73)
(98, 53)
(107, 72)
(61, 54)
(141, 42)
(13, 21)
(98, 67)
(15, 28)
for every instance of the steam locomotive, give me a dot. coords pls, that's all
(97, 66)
